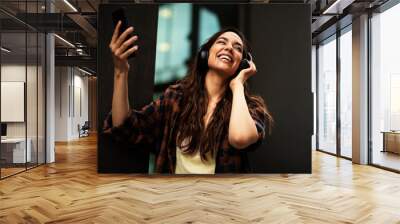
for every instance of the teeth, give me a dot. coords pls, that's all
(225, 57)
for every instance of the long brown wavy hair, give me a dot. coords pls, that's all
(193, 135)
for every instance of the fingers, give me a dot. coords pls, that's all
(123, 36)
(119, 45)
(115, 34)
(251, 70)
(253, 66)
(130, 51)
(126, 44)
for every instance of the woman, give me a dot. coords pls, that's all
(203, 124)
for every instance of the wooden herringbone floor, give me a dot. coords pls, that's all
(71, 191)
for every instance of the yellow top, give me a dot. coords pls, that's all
(192, 163)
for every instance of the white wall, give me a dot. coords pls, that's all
(9, 73)
(71, 102)
(61, 103)
(80, 110)
(33, 127)
(16, 72)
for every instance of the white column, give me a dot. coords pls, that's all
(360, 90)
(50, 93)
(50, 109)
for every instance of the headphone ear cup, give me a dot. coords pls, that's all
(204, 54)
(203, 60)
(244, 64)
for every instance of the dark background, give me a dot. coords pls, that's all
(113, 157)
(280, 38)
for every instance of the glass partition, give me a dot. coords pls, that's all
(327, 95)
(346, 93)
(22, 88)
(385, 88)
(15, 149)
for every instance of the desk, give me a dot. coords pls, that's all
(15, 148)
(391, 141)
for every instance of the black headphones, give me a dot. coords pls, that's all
(202, 62)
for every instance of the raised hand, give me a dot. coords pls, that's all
(244, 75)
(119, 49)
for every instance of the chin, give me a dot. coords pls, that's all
(226, 72)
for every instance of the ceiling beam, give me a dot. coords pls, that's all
(84, 24)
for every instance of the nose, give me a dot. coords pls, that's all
(228, 47)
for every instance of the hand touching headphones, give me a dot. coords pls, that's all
(245, 63)
(246, 69)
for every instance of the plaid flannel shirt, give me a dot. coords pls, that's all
(152, 128)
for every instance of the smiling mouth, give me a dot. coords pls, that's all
(225, 58)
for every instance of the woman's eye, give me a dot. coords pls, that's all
(238, 48)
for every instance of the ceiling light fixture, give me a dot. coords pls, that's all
(84, 71)
(70, 5)
(65, 41)
(5, 50)
(337, 7)
(329, 9)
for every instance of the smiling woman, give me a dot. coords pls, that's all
(226, 54)
(204, 122)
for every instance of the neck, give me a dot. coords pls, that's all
(215, 85)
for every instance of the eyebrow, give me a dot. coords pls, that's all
(224, 38)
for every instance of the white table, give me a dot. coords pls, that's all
(18, 149)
